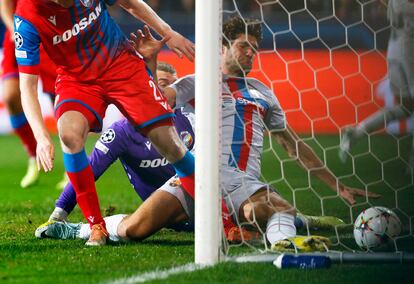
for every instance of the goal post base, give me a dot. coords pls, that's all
(336, 257)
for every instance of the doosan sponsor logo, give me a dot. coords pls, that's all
(78, 27)
(153, 163)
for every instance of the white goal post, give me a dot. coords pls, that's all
(208, 89)
(327, 71)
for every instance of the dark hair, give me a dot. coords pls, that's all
(236, 26)
(166, 67)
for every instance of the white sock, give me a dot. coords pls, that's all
(58, 214)
(280, 226)
(85, 231)
(112, 223)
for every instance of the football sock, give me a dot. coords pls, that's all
(58, 214)
(81, 176)
(22, 129)
(280, 226)
(226, 217)
(112, 223)
(84, 232)
(67, 199)
(185, 171)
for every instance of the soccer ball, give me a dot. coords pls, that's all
(376, 227)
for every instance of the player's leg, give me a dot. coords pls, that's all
(169, 205)
(403, 109)
(21, 127)
(73, 128)
(159, 210)
(19, 123)
(270, 213)
(169, 145)
(274, 215)
(79, 108)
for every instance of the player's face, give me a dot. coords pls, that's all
(165, 79)
(239, 57)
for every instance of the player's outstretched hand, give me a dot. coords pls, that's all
(180, 45)
(45, 154)
(145, 44)
(349, 193)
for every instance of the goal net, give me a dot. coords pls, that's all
(325, 61)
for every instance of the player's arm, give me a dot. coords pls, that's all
(170, 94)
(181, 92)
(140, 10)
(27, 43)
(6, 11)
(45, 151)
(308, 159)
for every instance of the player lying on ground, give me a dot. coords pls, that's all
(11, 91)
(97, 66)
(400, 57)
(250, 200)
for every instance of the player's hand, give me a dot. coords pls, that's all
(145, 44)
(349, 193)
(45, 154)
(180, 45)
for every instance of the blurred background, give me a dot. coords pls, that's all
(303, 16)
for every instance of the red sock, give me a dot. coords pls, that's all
(226, 217)
(25, 134)
(86, 196)
(188, 184)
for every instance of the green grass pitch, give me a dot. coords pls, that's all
(25, 259)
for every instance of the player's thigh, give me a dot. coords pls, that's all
(159, 210)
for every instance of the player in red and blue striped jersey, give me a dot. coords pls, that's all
(97, 66)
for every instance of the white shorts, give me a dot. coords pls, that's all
(236, 186)
(173, 186)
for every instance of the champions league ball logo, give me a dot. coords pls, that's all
(86, 3)
(108, 136)
(18, 40)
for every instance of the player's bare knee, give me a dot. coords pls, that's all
(73, 129)
(71, 140)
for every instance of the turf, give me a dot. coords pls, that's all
(25, 259)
